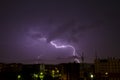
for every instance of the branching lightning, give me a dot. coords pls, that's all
(66, 46)
(63, 46)
(54, 43)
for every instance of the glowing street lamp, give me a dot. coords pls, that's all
(41, 76)
(91, 76)
(41, 73)
(106, 73)
(19, 77)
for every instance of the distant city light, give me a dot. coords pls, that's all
(106, 73)
(57, 71)
(91, 75)
(35, 75)
(19, 76)
(53, 71)
(41, 76)
(41, 73)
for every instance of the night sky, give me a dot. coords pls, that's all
(91, 26)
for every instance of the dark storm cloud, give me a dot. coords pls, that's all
(61, 30)
(72, 21)
(74, 28)
(84, 27)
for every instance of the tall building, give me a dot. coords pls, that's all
(107, 69)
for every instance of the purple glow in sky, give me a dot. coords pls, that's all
(54, 43)
(63, 28)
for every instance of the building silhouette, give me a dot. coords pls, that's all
(107, 69)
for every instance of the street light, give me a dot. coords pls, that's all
(106, 73)
(91, 76)
(19, 77)
(41, 76)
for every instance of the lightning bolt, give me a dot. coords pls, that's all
(63, 46)
(66, 46)
(54, 43)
